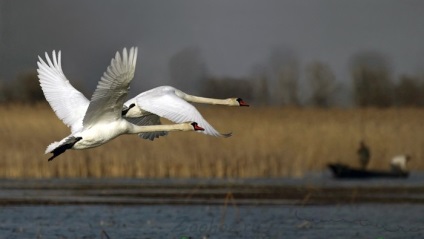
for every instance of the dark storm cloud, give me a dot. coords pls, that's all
(232, 36)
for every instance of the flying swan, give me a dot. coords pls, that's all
(99, 120)
(172, 104)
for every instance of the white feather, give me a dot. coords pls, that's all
(68, 103)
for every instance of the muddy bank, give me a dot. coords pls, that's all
(205, 192)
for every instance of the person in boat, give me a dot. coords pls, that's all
(398, 163)
(364, 155)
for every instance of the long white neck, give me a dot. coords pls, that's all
(136, 129)
(204, 100)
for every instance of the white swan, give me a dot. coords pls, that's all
(99, 120)
(171, 103)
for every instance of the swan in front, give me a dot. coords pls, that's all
(172, 104)
(99, 120)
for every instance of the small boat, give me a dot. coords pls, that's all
(344, 171)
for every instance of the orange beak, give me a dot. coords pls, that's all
(197, 127)
(242, 102)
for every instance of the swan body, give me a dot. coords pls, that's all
(172, 104)
(99, 120)
(101, 133)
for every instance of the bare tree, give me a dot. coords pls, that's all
(372, 84)
(409, 91)
(322, 82)
(26, 88)
(227, 87)
(260, 85)
(3, 92)
(284, 68)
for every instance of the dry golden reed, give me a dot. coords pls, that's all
(266, 142)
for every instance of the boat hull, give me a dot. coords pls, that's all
(344, 171)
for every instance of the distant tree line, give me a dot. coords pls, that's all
(373, 84)
(25, 89)
(276, 82)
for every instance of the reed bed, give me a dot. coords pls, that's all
(266, 142)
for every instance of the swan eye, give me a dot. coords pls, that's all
(132, 105)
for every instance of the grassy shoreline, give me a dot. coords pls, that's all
(140, 192)
(266, 142)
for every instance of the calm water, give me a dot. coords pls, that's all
(88, 216)
(82, 221)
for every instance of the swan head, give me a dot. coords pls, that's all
(130, 110)
(196, 126)
(126, 108)
(241, 102)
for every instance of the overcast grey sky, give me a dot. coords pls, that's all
(232, 36)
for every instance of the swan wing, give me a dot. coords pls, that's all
(108, 98)
(168, 105)
(68, 103)
(146, 120)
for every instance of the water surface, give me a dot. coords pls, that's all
(316, 206)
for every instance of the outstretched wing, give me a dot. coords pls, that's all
(168, 105)
(68, 103)
(108, 98)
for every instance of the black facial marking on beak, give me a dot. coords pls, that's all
(197, 127)
(126, 109)
(241, 102)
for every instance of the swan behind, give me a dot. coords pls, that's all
(172, 104)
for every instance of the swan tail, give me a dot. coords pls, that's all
(51, 147)
(58, 148)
